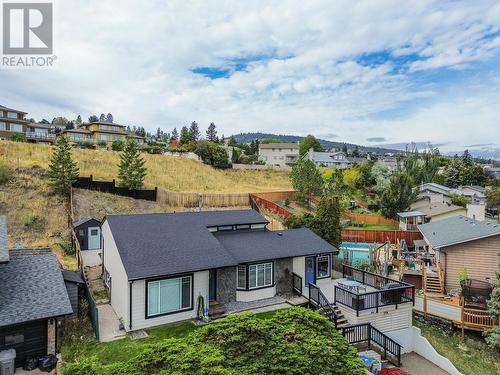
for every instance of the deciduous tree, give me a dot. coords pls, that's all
(306, 179)
(309, 142)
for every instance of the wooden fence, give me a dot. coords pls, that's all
(259, 201)
(276, 196)
(110, 187)
(369, 219)
(379, 236)
(203, 200)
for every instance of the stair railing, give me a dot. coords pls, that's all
(318, 300)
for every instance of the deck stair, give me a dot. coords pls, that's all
(336, 316)
(216, 310)
(433, 283)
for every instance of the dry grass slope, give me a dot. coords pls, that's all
(167, 172)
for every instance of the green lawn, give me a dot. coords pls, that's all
(376, 227)
(471, 357)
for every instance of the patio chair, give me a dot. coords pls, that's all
(362, 288)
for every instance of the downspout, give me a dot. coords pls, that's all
(130, 283)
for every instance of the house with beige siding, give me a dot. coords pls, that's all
(279, 154)
(462, 243)
(163, 268)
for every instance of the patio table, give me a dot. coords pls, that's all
(351, 284)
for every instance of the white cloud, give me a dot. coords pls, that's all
(134, 59)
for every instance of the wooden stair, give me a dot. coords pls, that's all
(433, 283)
(216, 310)
(341, 320)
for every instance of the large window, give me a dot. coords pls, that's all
(323, 266)
(169, 295)
(2, 126)
(12, 115)
(104, 137)
(16, 128)
(260, 275)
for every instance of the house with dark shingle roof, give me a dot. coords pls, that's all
(156, 266)
(462, 243)
(32, 298)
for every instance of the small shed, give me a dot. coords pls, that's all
(74, 282)
(409, 220)
(88, 232)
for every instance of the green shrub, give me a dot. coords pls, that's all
(67, 247)
(17, 137)
(35, 223)
(292, 341)
(117, 145)
(6, 172)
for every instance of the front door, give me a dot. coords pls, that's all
(212, 285)
(310, 270)
(94, 238)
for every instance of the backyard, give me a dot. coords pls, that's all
(471, 357)
(293, 341)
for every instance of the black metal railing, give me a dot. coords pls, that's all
(297, 284)
(397, 294)
(366, 333)
(318, 300)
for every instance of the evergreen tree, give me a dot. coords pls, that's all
(93, 118)
(109, 117)
(306, 179)
(345, 150)
(62, 171)
(212, 133)
(70, 125)
(131, 169)
(78, 120)
(102, 117)
(399, 195)
(355, 152)
(175, 135)
(194, 131)
(185, 136)
(328, 214)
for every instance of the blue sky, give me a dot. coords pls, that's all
(368, 72)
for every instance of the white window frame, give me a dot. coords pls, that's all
(17, 131)
(255, 268)
(159, 313)
(322, 258)
(241, 269)
(12, 115)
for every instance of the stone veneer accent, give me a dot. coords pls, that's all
(226, 284)
(283, 275)
(51, 336)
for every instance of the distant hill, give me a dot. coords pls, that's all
(248, 137)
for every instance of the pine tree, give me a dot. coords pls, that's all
(194, 131)
(131, 169)
(78, 120)
(185, 137)
(212, 133)
(62, 171)
(175, 135)
(109, 117)
(102, 117)
(328, 215)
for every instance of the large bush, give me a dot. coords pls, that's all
(293, 341)
(6, 172)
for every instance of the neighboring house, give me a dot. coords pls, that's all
(335, 159)
(442, 193)
(463, 243)
(33, 297)
(40, 133)
(435, 211)
(101, 132)
(12, 121)
(390, 162)
(492, 171)
(409, 220)
(88, 233)
(279, 154)
(156, 266)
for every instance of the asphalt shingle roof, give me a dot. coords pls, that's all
(31, 288)
(162, 244)
(252, 246)
(4, 249)
(456, 230)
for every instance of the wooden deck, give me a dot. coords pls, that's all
(450, 308)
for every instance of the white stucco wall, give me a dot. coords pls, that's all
(119, 279)
(412, 341)
(139, 321)
(253, 295)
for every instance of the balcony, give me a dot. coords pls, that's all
(40, 136)
(366, 291)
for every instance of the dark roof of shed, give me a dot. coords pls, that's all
(32, 288)
(161, 244)
(72, 276)
(83, 221)
(257, 245)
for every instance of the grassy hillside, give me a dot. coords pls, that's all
(167, 172)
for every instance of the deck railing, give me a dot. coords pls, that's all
(366, 333)
(475, 318)
(38, 135)
(318, 300)
(297, 284)
(372, 300)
